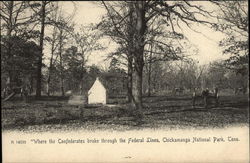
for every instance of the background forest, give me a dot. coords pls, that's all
(41, 46)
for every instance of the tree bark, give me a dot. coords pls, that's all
(50, 67)
(149, 71)
(82, 74)
(138, 56)
(61, 66)
(49, 75)
(130, 79)
(31, 85)
(9, 31)
(130, 54)
(137, 88)
(39, 64)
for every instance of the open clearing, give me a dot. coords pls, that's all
(55, 114)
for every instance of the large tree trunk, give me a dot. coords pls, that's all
(39, 64)
(149, 81)
(138, 57)
(82, 75)
(130, 54)
(149, 71)
(137, 87)
(51, 62)
(49, 76)
(31, 85)
(130, 79)
(50, 68)
(48, 87)
(61, 66)
(9, 55)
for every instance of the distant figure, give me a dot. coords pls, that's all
(6, 91)
(205, 94)
(216, 91)
(239, 90)
(81, 89)
(30, 89)
(178, 90)
(25, 92)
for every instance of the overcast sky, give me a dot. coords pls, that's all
(206, 41)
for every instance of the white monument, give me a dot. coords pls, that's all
(97, 93)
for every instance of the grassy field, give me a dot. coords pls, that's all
(55, 114)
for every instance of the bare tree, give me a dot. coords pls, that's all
(119, 27)
(144, 13)
(233, 21)
(54, 45)
(41, 12)
(86, 40)
(147, 10)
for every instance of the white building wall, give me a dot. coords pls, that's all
(97, 93)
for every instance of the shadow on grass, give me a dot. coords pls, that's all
(119, 117)
(42, 98)
(166, 98)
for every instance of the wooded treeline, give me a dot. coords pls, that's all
(150, 45)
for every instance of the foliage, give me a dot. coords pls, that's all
(233, 21)
(24, 57)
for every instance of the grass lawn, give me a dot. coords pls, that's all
(55, 114)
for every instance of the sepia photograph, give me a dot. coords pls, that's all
(124, 81)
